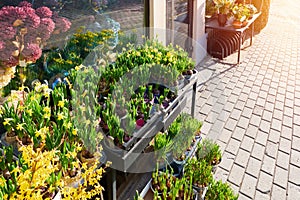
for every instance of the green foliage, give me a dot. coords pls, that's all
(240, 12)
(166, 186)
(155, 53)
(209, 151)
(8, 179)
(220, 191)
(199, 171)
(224, 6)
(85, 106)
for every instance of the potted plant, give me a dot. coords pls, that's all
(174, 128)
(200, 172)
(8, 179)
(210, 152)
(210, 8)
(223, 7)
(48, 178)
(166, 186)
(252, 10)
(10, 120)
(162, 147)
(191, 125)
(241, 14)
(219, 190)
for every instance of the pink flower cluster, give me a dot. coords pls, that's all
(23, 31)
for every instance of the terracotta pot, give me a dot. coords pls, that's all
(244, 23)
(222, 19)
(237, 24)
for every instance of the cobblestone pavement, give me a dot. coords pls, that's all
(253, 110)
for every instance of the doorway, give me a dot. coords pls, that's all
(180, 21)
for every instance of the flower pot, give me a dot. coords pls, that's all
(24, 141)
(215, 166)
(244, 23)
(180, 84)
(197, 135)
(188, 74)
(222, 19)
(237, 24)
(178, 162)
(85, 157)
(201, 191)
(10, 139)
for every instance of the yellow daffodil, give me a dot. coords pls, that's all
(19, 127)
(32, 98)
(21, 88)
(69, 125)
(29, 112)
(74, 131)
(60, 116)
(2, 181)
(77, 68)
(6, 121)
(37, 83)
(47, 116)
(47, 109)
(78, 148)
(45, 129)
(21, 108)
(38, 133)
(46, 93)
(61, 103)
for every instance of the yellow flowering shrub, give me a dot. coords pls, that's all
(39, 175)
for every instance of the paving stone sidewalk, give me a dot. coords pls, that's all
(253, 110)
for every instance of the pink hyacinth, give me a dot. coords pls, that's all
(31, 36)
(44, 12)
(32, 52)
(35, 27)
(32, 19)
(46, 25)
(10, 14)
(62, 24)
(10, 61)
(25, 4)
(9, 49)
(2, 46)
(7, 31)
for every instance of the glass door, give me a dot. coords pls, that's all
(180, 22)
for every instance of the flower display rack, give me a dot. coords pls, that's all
(124, 159)
(160, 120)
(141, 133)
(163, 119)
(177, 106)
(146, 193)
